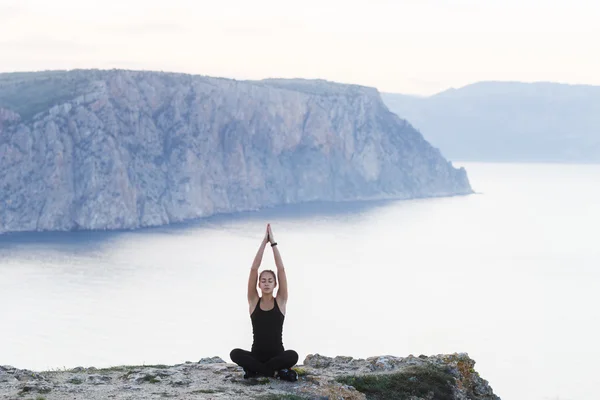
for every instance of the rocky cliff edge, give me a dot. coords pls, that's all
(439, 377)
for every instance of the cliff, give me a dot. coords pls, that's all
(440, 377)
(92, 149)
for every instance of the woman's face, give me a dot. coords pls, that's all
(267, 283)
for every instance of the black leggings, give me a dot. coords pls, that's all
(254, 363)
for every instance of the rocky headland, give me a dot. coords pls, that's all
(94, 149)
(439, 377)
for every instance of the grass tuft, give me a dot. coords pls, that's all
(411, 382)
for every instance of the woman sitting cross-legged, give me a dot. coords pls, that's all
(268, 357)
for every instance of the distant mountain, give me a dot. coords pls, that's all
(92, 149)
(508, 121)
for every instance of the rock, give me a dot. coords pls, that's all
(35, 387)
(6, 377)
(151, 375)
(25, 375)
(317, 361)
(332, 391)
(211, 360)
(320, 377)
(147, 378)
(131, 149)
(7, 117)
(98, 379)
(343, 360)
(180, 382)
(384, 363)
(131, 387)
(76, 380)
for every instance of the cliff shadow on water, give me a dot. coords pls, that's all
(83, 241)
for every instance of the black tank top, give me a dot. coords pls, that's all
(267, 330)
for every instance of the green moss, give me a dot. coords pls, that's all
(413, 381)
(300, 371)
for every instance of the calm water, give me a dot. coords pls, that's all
(509, 275)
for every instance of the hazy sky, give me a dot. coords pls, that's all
(406, 46)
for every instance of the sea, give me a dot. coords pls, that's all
(509, 275)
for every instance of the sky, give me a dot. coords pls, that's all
(402, 46)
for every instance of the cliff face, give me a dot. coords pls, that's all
(124, 149)
(439, 377)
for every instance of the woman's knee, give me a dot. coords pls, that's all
(235, 353)
(293, 356)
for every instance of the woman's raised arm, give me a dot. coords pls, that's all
(253, 278)
(282, 293)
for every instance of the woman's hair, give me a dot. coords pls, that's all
(269, 272)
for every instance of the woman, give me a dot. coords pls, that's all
(268, 357)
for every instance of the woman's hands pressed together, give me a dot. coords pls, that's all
(270, 235)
